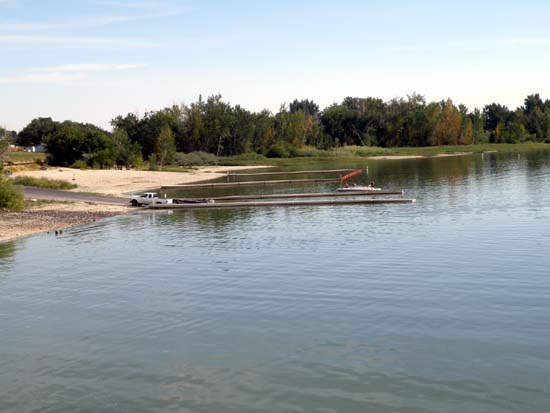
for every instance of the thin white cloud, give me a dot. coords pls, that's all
(65, 73)
(32, 26)
(78, 22)
(73, 42)
(129, 4)
(478, 46)
(41, 78)
(90, 67)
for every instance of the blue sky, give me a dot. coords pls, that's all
(90, 60)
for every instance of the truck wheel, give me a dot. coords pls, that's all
(134, 203)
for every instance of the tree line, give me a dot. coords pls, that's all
(214, 126)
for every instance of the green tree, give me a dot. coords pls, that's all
(36, 131)
(338, 122)
(70, 142)
(466, 132)
(307, 106)
(495, 115)
(165, 147)
(128, 153)
(479, 134)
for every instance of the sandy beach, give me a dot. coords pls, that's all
(54, 216)
(398, 157)
(395, 157)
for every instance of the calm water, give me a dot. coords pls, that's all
(441, 306)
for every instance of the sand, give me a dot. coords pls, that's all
(119, 183)
(397, 157)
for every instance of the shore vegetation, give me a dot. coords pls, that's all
(11, 197)
(213, 131)
(43, 183)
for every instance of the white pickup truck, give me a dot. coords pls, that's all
(148, 198)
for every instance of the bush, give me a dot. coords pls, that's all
(153, 165)
(10, 196)
(79, 165)
(278, 150)
(196, 159)
(249, 156)
(43, 183)
(310, 151)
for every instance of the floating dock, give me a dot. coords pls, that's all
(249, 183)
(308, 195)
(282, 203)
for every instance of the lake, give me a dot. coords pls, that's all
(438, 306)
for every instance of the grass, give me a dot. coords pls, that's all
(11, 197)
(43, 183)
(18, 157)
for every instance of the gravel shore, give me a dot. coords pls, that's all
(52, 217)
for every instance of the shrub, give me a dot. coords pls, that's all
(278, 150)
(10, 196)
(311, 151)
(198, 158)
(153, 165)
(248, 156)
(43, 183)
(79, 165)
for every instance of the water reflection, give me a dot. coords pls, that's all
(433, 307)
(8, 249)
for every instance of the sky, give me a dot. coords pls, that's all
(91, 60)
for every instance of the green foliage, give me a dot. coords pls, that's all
(165, 147)
(127, 153)
(43, 182)
(153, 163)
(71, 141)
(278, 150)
(10, 196)
(4, 145)
(80, 165)
(216, 127)
(195, 159)
(36, 131)
(306, 106)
